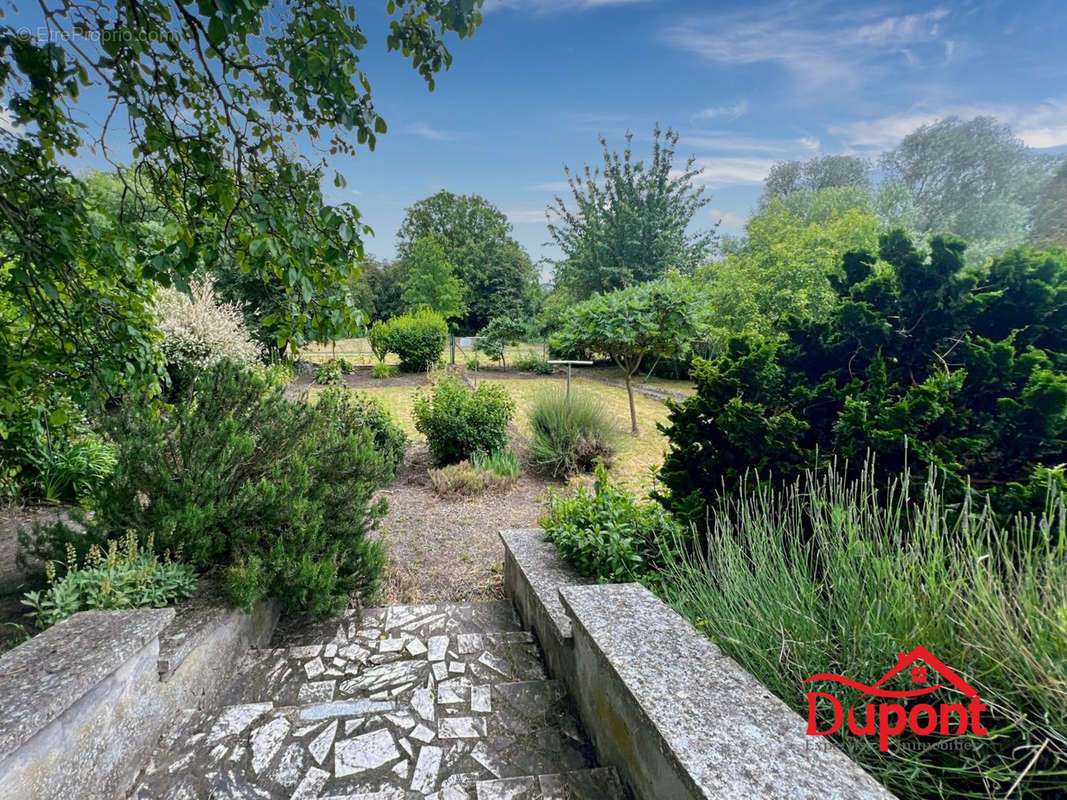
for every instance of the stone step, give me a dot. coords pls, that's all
(601, 783)
(438, 744)
(421, 621)
(384, 667)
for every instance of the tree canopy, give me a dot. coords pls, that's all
(628, 324)
(629, 221)
(476, 238)
(213, 97)
(430, 280)
(813, 175)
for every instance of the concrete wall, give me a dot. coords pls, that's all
(86, 701)
(671, 712)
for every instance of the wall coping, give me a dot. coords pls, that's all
(43, 677)
(728, 733)
(545, 571)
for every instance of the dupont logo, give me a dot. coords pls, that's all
(902, 709)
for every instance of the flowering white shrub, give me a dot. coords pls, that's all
(199, 329)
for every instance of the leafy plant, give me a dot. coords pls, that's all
(378, 336)
(430, 281)
(474, 364)
(276, 494)
(495, 337)
(418, 339)
(608, 535)
(118, 575)
(534, 363)
(837, 574)
(381, 370)
(353, 411)
(458, 422)
(569, 436)
(332, 371)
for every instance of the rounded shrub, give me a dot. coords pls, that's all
(418, 339)
(458, 422)
(569, 436)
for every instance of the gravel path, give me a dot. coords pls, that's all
(448, 550)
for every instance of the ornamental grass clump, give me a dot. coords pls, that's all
(569, 435)
(828, 574)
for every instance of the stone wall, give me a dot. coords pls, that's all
(85, 701)
(662, 704)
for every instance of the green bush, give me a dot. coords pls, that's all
(381, 370)
(418, 339)
(607, 535)
(332, 371)
(474, 364)
(458, 422)
(120, 575)
(353, 411)
(534, 363)
(919, 361)
(275, 494)
(569, 436)
(835, 575)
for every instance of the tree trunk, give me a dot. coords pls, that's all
(633, 409)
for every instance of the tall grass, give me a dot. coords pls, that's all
(832, 575)
(569, 435)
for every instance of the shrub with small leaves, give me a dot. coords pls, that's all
(378, 336)
(199, 329)
(332, 371)
(121, 574)
(418, 339)
(534, 363)
(458, 422)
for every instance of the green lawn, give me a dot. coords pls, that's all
(636, 454)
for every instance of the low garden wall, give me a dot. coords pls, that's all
(663, 705)
(84, 702)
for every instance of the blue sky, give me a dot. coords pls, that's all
(744, 83)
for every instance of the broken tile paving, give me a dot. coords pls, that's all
(435, 702)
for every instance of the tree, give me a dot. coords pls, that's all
(1050, 213)
(825, 172)
(630, 220)
(476, 237)
(791, 248)
(214, 96)
(497, 335)
(971, 178)
(431, 281)
(629, 324)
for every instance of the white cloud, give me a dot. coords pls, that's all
(525, 216)
(724, 141)
(816, 41)
(426, 132)
(727, 112)
(728, 219)
(1042, 126)
(729, 171)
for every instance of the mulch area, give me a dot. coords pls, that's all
(447, 550)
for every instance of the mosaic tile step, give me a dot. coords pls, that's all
(385, 667)
(421, 620)
(587, 784)
(413, 749)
